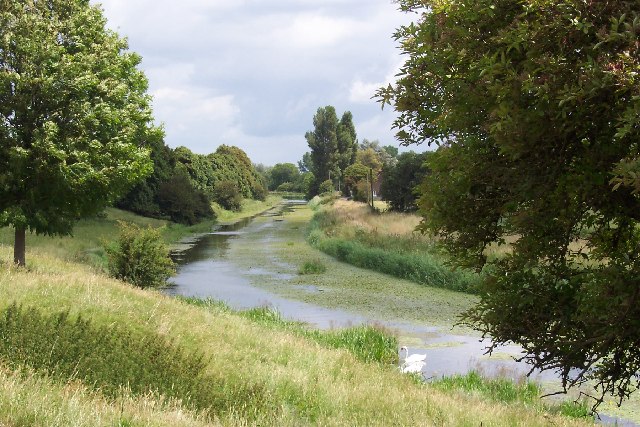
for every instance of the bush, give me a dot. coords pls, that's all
(326, 187)
(184, 204)
(227, 194)
(139, 257)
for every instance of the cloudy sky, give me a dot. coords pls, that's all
(252, 73)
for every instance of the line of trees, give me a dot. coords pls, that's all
(183, 184)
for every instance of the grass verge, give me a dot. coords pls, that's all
(386, 242)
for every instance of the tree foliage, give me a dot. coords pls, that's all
(333, 147)
(225, 164)
(536, 107)
(73, 116)
(167, 193)
(400, 182)
(282, 173)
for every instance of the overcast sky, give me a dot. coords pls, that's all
(252, 73)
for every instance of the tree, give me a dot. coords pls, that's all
(323, 143)
(305, 164)
(399, 182)
(347, 142)
(535, 106)
(74, 115)
(283, 172)
(354, 176)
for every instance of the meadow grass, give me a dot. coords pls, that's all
(271, 376)
(385, 242)
(368, 343)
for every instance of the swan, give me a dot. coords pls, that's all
(411, 359)
(415, 367)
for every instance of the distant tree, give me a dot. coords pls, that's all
(383, 153)
(354, 176)
(323, 142)
(307, 185)
(74, 114)
(283, 172)
(535, 106)
(370, 159)
(391, 150)
(347, 142)
(227, 195)
(306, 164)
(399, 182)
(326, 187)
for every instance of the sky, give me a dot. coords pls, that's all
(252, 73)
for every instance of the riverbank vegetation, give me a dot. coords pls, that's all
(386, 242)
(254, 372)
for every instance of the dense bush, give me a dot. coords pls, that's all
(167, 193)
(181, 203)
(139, 257)
(399, 181)
(227, 195)
(312, 267)
(326, 187)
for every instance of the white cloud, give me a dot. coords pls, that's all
(252, 73)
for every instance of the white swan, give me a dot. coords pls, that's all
(413, 363)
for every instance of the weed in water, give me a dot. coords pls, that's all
(312, 267)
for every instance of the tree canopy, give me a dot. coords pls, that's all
(333, 147)
(535, 106)
(74, 116)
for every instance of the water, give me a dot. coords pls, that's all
(205, 271)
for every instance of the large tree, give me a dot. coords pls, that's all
(323, 142)
(73, 116)
(536, 107)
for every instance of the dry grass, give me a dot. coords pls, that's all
(303, 383)
(356, 215)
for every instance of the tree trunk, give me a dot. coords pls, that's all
(19, 247)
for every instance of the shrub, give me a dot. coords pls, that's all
(139, 257)
(312, 267)
(227, 194)
(326, 187)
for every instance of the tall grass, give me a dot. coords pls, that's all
(114, 360)
(507, 391)
(384, 243)
(367, 343)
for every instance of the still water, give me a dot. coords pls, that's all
(205, 271)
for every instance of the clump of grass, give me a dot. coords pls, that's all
(312, 267)
(116, 359)
(497, 389)
(505, 390)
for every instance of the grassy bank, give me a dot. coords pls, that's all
(384, 242)
(82, 349)
(256, 373)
